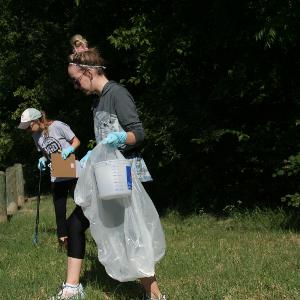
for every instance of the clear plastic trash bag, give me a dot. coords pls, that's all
(127, 231)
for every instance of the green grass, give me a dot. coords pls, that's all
(246, 256)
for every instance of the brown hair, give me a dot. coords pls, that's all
(90, 57)
(77, 41)
(43, 119)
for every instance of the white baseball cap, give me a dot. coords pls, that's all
(28, 115)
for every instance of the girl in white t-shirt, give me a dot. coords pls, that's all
(52, 136)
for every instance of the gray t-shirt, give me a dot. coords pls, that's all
(59, 137)
(115, 110)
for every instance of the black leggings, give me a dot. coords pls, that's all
(77, 225)
(60, 192)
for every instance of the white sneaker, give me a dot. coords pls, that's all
(69, 292)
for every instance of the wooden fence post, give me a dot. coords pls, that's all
(3, 213)
(19, 184)
(11, 190)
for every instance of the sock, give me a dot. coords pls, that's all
(72, 285)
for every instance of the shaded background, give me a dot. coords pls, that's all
(217, 89)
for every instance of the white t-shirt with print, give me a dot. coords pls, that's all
(59, 137)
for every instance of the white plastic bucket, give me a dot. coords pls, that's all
(113, 178)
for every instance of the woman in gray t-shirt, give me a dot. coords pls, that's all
(116, 123)
(52, 136)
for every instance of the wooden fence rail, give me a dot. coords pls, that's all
(12, 196)
(3, 213)
(19, 184)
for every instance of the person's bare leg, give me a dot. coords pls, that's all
(73, 270)
(151, 287)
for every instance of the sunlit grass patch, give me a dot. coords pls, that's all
(250, 255)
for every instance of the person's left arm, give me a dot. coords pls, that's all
(70, 137)
(75, 143)
(130, 138)
(128, 117)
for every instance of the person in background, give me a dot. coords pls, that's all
(116, 123)
(52, 136)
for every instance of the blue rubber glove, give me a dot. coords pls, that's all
(42, 163)
(67, 151)
(115, 139)
(84, 159)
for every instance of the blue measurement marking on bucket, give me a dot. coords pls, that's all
(129, 178)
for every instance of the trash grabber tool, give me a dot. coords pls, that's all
(37, 218)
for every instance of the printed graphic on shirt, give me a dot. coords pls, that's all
(50, 145)
(104, 123)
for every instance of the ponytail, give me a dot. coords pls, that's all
(43, 119)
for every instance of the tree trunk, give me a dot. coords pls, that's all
(3, 213)
(11, 191)
(20, 184)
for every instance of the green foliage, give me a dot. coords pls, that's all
(6, 143)
(161, 139)
(290, 167)
(267, 35)
(30, 98)
(91, 144)
(138, 36)
(217, 89)
(215, 136)
(292, 199)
